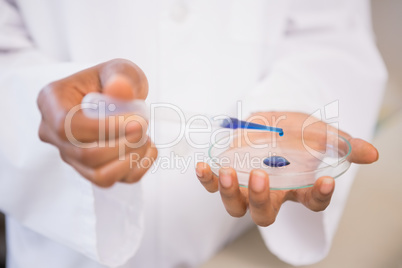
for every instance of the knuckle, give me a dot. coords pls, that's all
(258, 202)
(42, 137)
(319, 207)
(64, 157)
(40, 99)
(60, 129)
(77, 153)
(42, 133)
(211, 186)
(128, 180)
(96, 176)
(236, 213)
(318, 202)
(134, 177)
(155, 153)
(316, 209)
(99, 178)
(321, 200)
(85, 156)
(266, 221)
(44, 92)
(104, 184)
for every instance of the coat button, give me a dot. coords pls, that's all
(179, 12)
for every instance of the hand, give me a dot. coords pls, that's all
(103, 165)
(264, 204)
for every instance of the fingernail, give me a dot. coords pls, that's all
(326, 186)
(225, 178)
(198, 172)
(111, 79)
(258, 183)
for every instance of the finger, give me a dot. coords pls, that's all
(362, 152)
(72, 124)
(47, 135)
(318, 197)
(104, 176)
(101, 154)
(81, 129)
(233, 199)
(108, 174)
(127, 76)
(98, 152)
(140, 168)
(86, 157)
(207, 177)
(261, 208)
(119, 87)
(44, 134)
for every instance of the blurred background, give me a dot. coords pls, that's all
(370, 232)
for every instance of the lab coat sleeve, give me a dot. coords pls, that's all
(327, 65)
(36, 187)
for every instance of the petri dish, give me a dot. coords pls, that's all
(312, 153)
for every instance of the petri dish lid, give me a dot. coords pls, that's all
(312, 154)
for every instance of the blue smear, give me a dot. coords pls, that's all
(234, 123)
(276, 161)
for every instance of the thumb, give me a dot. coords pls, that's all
(120, 87)
(362, 152)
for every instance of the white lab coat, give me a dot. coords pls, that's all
(202, 56)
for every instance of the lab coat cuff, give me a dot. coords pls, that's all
(119, 222)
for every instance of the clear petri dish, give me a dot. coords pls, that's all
(312, 153)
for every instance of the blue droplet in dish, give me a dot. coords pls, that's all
(276, 161)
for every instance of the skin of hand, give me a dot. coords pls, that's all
(102, 165)
(263, 203)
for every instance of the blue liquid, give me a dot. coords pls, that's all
(234, 123)
(276, 161)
